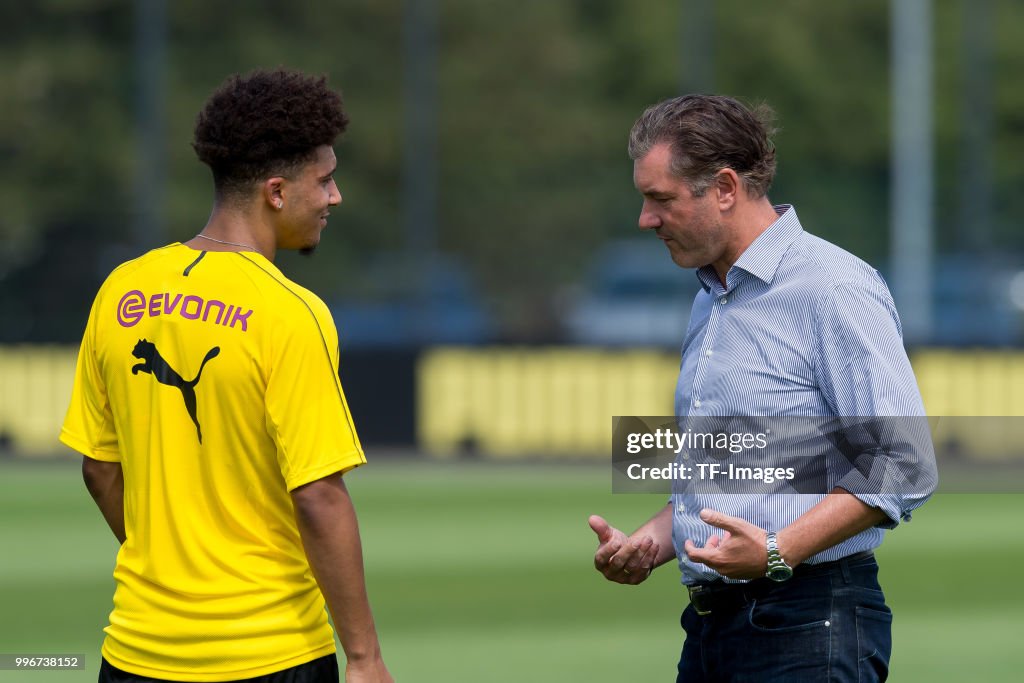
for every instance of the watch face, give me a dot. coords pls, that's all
(779, 573)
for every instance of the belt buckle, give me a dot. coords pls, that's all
(697, 593)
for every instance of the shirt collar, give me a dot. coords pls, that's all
(762, 258)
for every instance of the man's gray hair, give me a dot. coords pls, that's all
(708, 133)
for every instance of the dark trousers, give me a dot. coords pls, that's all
(827, 623)
(322, 670)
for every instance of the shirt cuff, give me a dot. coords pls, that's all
(890, 505)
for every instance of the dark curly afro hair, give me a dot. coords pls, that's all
(265, 123)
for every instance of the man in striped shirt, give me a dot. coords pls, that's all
(782, 582)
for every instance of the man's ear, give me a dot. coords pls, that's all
(727, 186)
(273, 191)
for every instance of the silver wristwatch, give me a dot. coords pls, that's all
(778, 570)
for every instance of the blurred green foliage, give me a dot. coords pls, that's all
(535, 100)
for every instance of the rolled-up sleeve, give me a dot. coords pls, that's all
(865, 376)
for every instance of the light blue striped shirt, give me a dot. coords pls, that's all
(804, 329)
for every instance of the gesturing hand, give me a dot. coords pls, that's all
(739, 554)
(620, 558)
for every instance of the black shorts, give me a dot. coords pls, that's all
(323, 670)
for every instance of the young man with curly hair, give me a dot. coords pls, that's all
(215, 431)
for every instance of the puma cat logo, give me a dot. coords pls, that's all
(154, 364)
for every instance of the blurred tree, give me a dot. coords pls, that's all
(535, 102)
(1008, 106)
(65, 158)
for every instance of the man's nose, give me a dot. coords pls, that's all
(648, 219)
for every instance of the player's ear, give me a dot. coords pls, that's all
(273, 191)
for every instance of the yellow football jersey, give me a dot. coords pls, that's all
(213, 380)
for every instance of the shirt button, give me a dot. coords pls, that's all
(724, 300)
(696, 404)
(709, 352)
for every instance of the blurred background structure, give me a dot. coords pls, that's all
(488, 196)
(493, 295)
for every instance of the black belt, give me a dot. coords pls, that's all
(718, 596)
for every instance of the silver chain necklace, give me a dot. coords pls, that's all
(234, 244)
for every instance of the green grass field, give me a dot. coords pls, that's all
(483, 572)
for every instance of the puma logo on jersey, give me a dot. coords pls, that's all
(154, 364)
